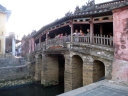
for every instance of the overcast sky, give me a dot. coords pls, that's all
(28, 15)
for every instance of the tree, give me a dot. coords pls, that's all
(90, 3)
(68, 14)
(77, 9)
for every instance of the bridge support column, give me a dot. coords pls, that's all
(50, 71)
(87, 70)
(38, 67)
(108, 70)
(68, 73)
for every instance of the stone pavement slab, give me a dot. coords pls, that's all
(102, 88)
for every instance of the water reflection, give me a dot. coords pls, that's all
(33, 90)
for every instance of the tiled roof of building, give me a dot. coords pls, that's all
(87, 11)
(4, 10)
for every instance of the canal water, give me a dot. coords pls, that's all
(32, 90)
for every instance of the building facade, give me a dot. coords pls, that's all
(3, 19)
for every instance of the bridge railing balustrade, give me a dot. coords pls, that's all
(82, 39)
(97, 39)
(103, 40)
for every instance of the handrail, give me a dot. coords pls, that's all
(97, 39)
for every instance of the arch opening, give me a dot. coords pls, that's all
(77, 72)
(99, 71)
(54, 71)
(61, 61)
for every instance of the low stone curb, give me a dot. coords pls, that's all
(8, 84)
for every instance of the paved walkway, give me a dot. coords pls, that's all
(102, 88)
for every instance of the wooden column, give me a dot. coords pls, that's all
(72, 33)
(46, 39)
(101, 29)
(91, 30)
(71, 26)
(40, 41)
(34, 44)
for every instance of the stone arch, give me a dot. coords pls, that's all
(89, 68)
(77, 54)
(108, 67)
(77, 71)
(98, 70)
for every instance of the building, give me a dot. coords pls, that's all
(4, 14)
(27, 44)
(11, 43)
(83, 59)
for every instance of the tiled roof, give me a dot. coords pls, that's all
(4, 10)
(88, 11)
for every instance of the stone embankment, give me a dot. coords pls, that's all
(15, 71)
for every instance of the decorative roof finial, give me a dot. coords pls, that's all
(90, 3)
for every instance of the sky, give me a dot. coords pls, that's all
(28, 15)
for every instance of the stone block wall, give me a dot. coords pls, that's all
(38, 67)
(87, 74)
(14, 72)
(50, 74)
(11, 61)
(68, 73)
(15, 68)
(87, 70)
(77, 72)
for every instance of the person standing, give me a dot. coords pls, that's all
(88, 32)
(76, 36)
(66, 38)
(81, 33)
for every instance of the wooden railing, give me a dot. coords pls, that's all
(103, 40)
(81, 39)
(97, 40)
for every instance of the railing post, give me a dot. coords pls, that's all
(101, 29)
(107, 40)
(46, 39)
(91, 30)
